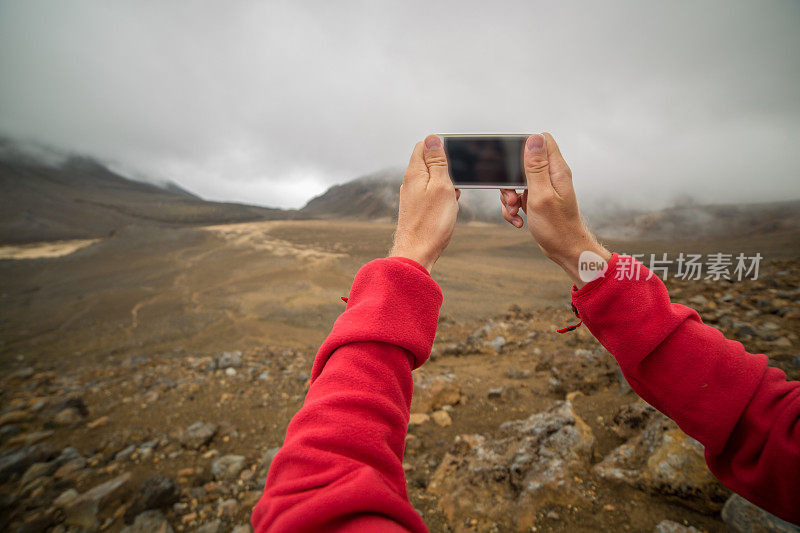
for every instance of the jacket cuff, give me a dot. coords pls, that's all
(409, 262)
(630, 299)
(392, 300)
(611, 269)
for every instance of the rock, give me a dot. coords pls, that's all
(82, 512)
(230, 371)
(14, 417)
(18, 460)
(581, 370)
(668, 526)
(227, 467)
(244, 528)
(29, 439)
(662, 459)
(228, 508)
(149, 522)
(67, 454)
(432, 394)
(82, 515)
(67, 417)
(41, 520)
(66, 497)
(211, 527)
(698, 300)
(497, 343)
(441, 418)
(156, 492)
(125, 453)
(11, 430)
(495, 393)
(73, 403)
(269, 455)
(98, 422)
(516, 373)
(229, 360)
(22, 374)
(631, 419)
(417, 419)
(66, 470)
(198, 434)
(743, 330)
(741, 516)
(104, 492)
(37, 470)
(531, 464)
(782, 342)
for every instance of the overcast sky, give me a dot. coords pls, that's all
(271, 102)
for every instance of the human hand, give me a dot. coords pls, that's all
(551, 207)
(428, 205)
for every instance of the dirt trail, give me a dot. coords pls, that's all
(44, 249)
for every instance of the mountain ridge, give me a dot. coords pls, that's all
(79, 197)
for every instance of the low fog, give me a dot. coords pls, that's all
(271, 103)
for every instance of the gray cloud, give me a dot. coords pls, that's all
(271, 102)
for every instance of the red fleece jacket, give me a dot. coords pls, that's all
(340, 468)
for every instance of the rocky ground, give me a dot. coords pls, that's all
(513, 428)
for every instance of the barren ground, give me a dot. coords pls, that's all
(130, 325)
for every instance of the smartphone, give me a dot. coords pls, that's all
(482, 161)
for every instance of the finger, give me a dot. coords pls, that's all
(505, 206)
(537, 168)
(509, 197)
(435, 159)
(513, 219)
(560, 173)
(417, 171)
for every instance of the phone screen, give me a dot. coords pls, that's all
(486, 161)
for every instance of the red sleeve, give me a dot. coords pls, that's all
(340, 467)
(744, 412)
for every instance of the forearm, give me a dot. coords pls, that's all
(341, 462)
(342, 458)
(718, 393)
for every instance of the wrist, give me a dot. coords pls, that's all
(584, 262)
(426, 263)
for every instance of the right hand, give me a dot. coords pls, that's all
(550, 204)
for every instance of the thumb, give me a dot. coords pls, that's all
(537, 168)
(435, 159)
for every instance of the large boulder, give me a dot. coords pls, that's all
(741, 516)
(530, 464)
(661, 459)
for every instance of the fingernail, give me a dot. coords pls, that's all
(535, 142)
(433, 142)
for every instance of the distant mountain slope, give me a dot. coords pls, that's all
(82, 198)
(376, 196)
(694, 222)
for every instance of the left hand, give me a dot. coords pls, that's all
(428, 205)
